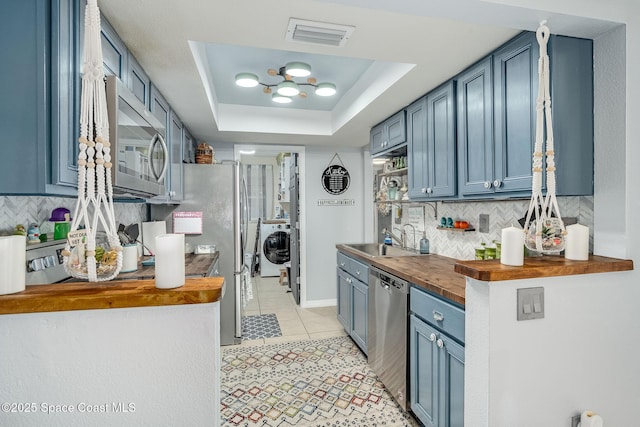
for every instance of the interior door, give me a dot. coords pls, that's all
(294, 248)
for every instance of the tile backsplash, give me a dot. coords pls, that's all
(36, 209)
(460, 245)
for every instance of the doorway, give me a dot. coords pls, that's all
(275, 176)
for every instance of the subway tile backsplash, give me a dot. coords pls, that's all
(26, 210)
(460, 245)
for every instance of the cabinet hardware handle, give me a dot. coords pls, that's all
(437, 316)
(440, 343)
(342, 264)
(358, 272)
(429, 190)
(432, 337)
(497, 183)
(487, 184)
(424, 190)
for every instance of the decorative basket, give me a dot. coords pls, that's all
(204, 154)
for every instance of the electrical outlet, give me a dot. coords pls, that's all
(530, 303)
(483, 223)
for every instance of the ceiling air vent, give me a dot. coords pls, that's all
(314, 32)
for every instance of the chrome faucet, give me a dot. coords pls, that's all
(405, 235)
(400, 240)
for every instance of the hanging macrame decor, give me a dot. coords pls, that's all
(93, 250)
(544, 229)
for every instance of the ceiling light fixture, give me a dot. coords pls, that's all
(282, 91)
(281, 99)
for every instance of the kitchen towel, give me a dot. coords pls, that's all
(577, 242)
(169, 253)
(590, 419)
(13, 259)
(149, 232)
(512, 246)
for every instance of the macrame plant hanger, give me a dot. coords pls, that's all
(94, 207)
(544, 229)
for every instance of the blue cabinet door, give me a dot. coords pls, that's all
(376, 138)
(418, 175)
(451, 374)
(114, 52)
(441, 142)
(423, 371)
(475, 129)
(344, 299)
(389, 134)
(515, 67)
(359, 310)
(40, 96)
(139, 82)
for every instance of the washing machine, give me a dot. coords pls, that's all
(274, 244)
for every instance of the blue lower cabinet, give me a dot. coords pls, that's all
(436, 361)
(344, 299)
(360, 298)
(352, 280)
(423, 366)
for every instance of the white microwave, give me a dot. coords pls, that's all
(139, 153)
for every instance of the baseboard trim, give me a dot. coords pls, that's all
(319, 303)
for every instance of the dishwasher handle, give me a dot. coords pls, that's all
(388, 281)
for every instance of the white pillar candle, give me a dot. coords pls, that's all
(129, 258)
(577, 242)
(512, 251)
(169, 261)
(13, 261)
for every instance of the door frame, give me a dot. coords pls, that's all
(261, 149)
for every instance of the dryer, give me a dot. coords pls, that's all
(274, 244)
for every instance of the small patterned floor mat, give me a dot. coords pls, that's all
(260, 326)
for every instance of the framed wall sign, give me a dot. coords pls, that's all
(335, 177)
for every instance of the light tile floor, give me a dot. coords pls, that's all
(296, 323)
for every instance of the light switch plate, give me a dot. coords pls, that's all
(530, 303)
(483, 223)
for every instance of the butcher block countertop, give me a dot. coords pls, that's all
(447, 276)
(113, 294)
(194, 265)
(541, 266)
(434, 273)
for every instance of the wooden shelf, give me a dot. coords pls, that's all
(456, 229)
(395, 172)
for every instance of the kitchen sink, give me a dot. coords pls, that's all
(380, 250)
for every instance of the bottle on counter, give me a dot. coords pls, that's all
(387, 240)
(424, 243)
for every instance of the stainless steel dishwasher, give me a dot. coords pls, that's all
(387, 336)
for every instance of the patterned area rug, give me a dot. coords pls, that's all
(260, 326)
(321, 383)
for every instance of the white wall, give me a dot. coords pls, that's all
(165, 361)
(330, 225)
(609, 165)
(541, 372)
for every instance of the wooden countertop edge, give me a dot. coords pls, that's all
(384, 264)
(113, 294)
(540, 267)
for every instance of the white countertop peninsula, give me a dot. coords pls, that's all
(118, 353)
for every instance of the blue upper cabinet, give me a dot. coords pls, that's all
(475, 129)
(497, 118)
(114, 52)
(39, 103)
(572, 101)
(515, 68)
(389, 134)
(139, 82)
(431, 145)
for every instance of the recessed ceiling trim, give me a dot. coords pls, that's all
(314, 32)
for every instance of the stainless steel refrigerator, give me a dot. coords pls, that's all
(218, 192)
